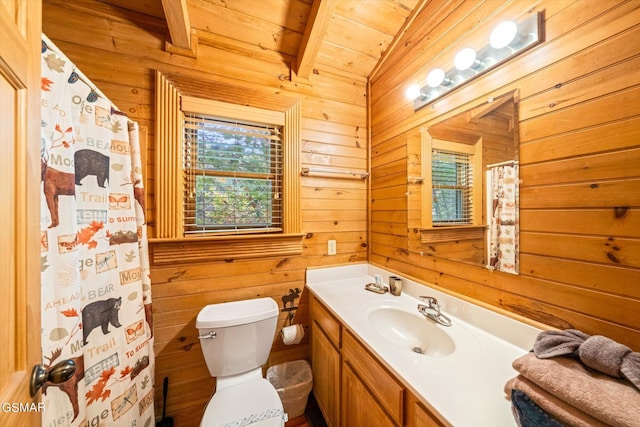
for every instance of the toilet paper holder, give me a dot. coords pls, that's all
(292, 334)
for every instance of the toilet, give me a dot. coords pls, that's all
(236, 339)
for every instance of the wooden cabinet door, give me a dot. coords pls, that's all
(387, 391)
(20, 27)
(325, 361)
(424, 418)
(359, 407)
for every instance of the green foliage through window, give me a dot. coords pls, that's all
(452, 181)
(233, 175)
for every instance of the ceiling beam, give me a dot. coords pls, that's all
(314, 32)
(177, 15)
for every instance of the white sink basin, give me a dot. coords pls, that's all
(412, 331)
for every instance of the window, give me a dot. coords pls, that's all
(452, 194)
(452, 188)
(233, 175)
(227, 179)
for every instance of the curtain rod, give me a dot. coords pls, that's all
(51, 45)
(321, 172)
(508, 162)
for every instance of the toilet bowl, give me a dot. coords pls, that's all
(236, 339)
(254, 404)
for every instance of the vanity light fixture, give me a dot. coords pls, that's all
(413, 91)
(467, 58)
(507, 40)
(503, 34)
(437, 77)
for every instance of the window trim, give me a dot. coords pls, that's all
(169, 185)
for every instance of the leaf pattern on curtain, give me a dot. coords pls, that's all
(504, 227)
(96, 289)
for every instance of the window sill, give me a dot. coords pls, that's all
(223, 248)
(452, 234)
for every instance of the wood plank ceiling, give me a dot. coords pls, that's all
(348, 36)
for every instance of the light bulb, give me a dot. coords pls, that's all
(466, 58)
(503, 34)
(413, 91)
(435, 77)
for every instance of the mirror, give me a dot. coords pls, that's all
(469, 190)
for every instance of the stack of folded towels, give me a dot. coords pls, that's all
(575, 379)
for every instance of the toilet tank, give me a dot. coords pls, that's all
(236, 337)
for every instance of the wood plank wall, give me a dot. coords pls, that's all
(579, 126)
(580, 160)
(119, 51)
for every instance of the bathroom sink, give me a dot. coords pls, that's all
(412, 331)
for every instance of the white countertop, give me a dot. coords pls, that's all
(465, 387)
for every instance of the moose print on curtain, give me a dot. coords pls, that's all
(96, 291)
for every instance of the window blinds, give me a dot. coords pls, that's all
(233, 176)
(452, 182)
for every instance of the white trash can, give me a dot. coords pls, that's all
(293, 382)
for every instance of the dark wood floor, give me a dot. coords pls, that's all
(300, 421)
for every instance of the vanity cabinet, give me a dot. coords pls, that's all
(359, 406)
(369, 392)
(418, 415)
(325, 361)
(352, 387)
(423, 417)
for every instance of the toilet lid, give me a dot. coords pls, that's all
(254, 403)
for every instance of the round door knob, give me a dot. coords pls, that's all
(58, 373)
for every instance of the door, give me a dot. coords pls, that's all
(20, 27)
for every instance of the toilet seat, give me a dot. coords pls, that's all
(254, 403)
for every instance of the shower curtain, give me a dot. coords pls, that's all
(96, 290)
(503, 185)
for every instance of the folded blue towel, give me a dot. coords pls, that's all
(528, 414)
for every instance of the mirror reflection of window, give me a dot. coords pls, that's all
(455, 182)
(455, 154)
(451, 175)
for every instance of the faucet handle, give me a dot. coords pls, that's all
(429, 300)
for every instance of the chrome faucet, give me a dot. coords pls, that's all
(432, 311)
